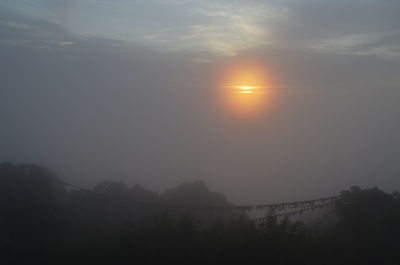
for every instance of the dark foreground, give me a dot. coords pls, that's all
(42, 222)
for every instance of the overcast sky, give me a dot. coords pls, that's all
(129, 90)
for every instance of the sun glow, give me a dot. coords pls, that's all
(245, 90)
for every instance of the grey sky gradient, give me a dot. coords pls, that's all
(126, 90)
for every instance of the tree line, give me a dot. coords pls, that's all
(43, 221)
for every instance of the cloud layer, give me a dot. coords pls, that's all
(228, 27)
(91, 105)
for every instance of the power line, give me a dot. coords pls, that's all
(273, 207)
(261, 220)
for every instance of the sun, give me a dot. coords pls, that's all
(246, 89)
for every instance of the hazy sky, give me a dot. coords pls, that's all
(131, 90)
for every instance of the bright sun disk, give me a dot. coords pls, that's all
(244, 86)
(245, 89)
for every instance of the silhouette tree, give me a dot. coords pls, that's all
(43, 223)
(30, 196)
(369, 225)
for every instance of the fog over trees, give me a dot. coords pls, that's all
(199, 132)
(47, 221)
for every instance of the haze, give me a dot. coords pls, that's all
(131, 91)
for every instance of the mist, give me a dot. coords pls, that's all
(94, 109)
(197, 131)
